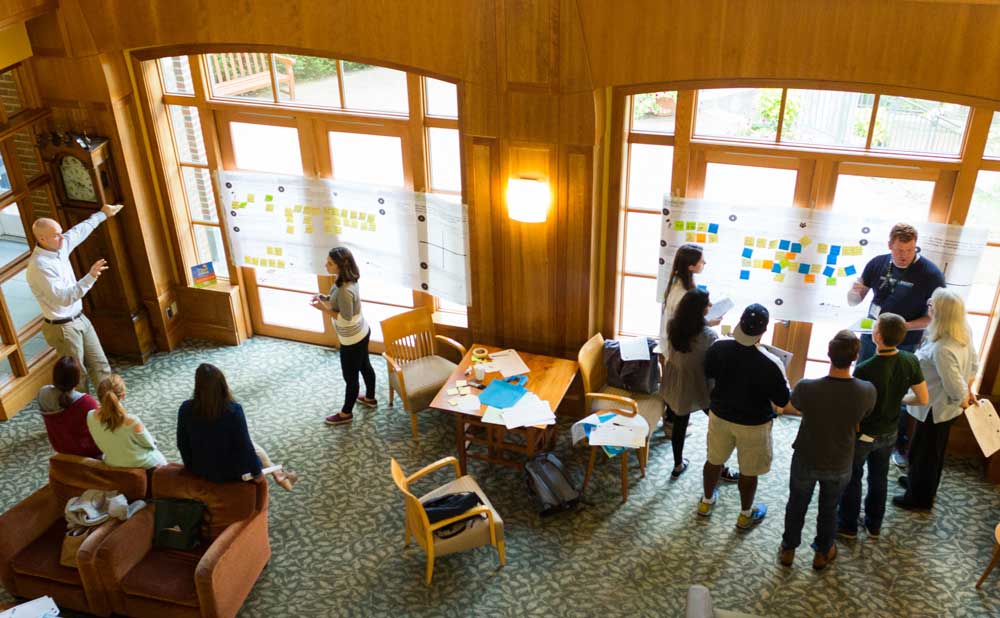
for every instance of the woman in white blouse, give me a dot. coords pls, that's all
(948, 361)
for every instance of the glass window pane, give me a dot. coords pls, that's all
(650, 169)
(993, 140)
(978, 323)
(9, 95)
(743, 184)
(21, 303)
(176, 75)
(985, 206)
(311, 80)
(291, 280)
(827, 117)
(640, 307)
(187, 134)
(266, 148)
(917, 125)
(368, 87)
(244, 75)
(13, 240)
(34, 347)
(819, 338)
(208, 242)
(374, 159)
(289, 309)
(5, 184)
(984, 285)
(375, 291)
(201, 199)
(375, 313)
(446, 164)
(748, 113)
(653, 112)
(27, 155)
(442, 98)
(886, 198)
(447, 305)
(642, 243)
(6, 373)
(816, 369)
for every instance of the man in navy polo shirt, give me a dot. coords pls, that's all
(902, 282)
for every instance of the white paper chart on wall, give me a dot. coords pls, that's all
(289, 224)
(800, 263)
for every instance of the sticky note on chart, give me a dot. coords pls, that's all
(761, 243)
(689, 225)
(748, 241)
(747, 252)
(806, 241)
(702, 226)
(822, 248)
(690, 236)
(678, 226)
(779, 277)
(850, 271)
(745, 274)
(867, 323)
(784, 245)
(713, 228)
(804, 269)
(831, 281)
(810, 278)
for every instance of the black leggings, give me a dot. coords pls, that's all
(677, 436)
(354, 359)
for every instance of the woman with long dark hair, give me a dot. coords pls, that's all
(343, 305)
(212, 434)
(64, 410)
(684, 388)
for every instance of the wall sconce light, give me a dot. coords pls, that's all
(528, 200)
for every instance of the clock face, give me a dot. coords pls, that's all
(77, 180)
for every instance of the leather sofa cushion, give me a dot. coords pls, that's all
(227, 502)
(41, 558)
(71, 475)
(164, 575)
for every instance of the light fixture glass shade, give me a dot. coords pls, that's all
(528, 200)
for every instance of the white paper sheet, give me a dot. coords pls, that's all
(634, 349)
(719, 309)
(528, 411)
(508, 363)
(985, 425)
(42, 607)
(493, 415)
(614, 434)
(469, 403)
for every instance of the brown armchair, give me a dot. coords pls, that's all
(420, 528)
(603, 398)
(211, 581)
(416, 372)
(32, 532)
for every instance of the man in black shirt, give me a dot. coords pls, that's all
(749, 382)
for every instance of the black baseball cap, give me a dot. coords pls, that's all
(753, 324)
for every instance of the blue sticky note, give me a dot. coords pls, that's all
(828, 271)
(835, 250)
(747, 252)
(796, 247)
(850, 270)
(744, 274)
(803, 269)
(831, 259)
(784, 245)
(713, 228)
(776, 268)
(703, 288)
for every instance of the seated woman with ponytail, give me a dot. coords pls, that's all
(65, 409)
(123, 438)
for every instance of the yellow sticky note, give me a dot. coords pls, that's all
(453, 403)
(452, 391)
(822, 248)
(338, 230)
(288, 211)
(371, 217)
(270, 250)
(307, 219)
(815, 268)
(250, 197)
(690, 236)
(234, 205)
(254, 261)
(773, 244)
(269, 207)
(461, 382)
(841, 272)
(298, 208)
(779, 277)
(702, 226)
(761, 243)
(711, 237)
(277, 250)
(805, 241)
(328, 229)
(281, 263)
(309, 229)
(758, 264)
(778, 255)
(354, 214)
(246, 259)
(271, 263)
(290, 229)
(748, 241)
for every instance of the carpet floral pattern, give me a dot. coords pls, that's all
(338, 538)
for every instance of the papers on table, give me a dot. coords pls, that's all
(493, 415)
(718, 309)
(42, 607)
(985, 425)
(508, 363)
(634, 349)
(468, 403)
(528, 411)
(613, 433)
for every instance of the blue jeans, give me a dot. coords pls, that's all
(868, 349)
(801, 484)
(876, 454)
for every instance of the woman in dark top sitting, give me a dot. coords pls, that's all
(212, 434)
(65, 409)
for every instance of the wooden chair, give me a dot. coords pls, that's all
(415, 370)
(420, 528)
(602, 398)
(238, 73)
(995, 559)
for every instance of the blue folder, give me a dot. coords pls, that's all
(502, 394)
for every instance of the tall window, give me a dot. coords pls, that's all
(852, 152)
(312, 116)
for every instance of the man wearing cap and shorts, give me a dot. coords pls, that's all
(749, 382)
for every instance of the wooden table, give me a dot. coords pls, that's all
(549, 378)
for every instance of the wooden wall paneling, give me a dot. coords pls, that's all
(213, 313)
(571, 53)
(574, 248)
(485, 238)
(972, 156)
(532, 116)
(47, 34)
(529, 44)
(19, 11)
(608, 224)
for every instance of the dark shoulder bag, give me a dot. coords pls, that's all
(178, 523)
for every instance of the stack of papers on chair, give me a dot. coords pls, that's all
(508, 363)
(614, 434)
(634, 349)
(42, 607)
(529, 411)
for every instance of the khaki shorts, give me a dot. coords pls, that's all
(752, 444)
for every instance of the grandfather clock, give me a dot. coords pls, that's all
(85, 181)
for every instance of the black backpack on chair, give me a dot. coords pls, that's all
(548, 483)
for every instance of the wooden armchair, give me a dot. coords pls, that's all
(601, 398)
(211, 581)
(420, 528)
(32, 533)
(416, 372)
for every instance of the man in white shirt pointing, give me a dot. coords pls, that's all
(59, 293)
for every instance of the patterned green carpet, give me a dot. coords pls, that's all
(338, 538)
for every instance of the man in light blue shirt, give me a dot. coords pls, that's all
(59, 294)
